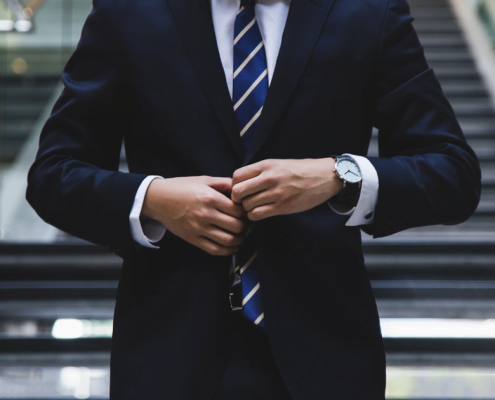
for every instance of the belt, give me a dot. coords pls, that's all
(235, 297)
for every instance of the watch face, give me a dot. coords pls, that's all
(348, 170)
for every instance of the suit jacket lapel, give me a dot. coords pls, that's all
(304, 24)
(196, 26)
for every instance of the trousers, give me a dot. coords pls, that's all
(250, 371)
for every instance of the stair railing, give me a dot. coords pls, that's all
(486, 12)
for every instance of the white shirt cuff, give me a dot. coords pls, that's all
(144, 230)
(364, 211)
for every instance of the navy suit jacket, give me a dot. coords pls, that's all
(148, 72)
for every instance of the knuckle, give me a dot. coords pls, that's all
(201, 214)
(279, 192)
(196, 227)
(237, 174)
(271, 179)
(268, 163)
(207, 198)
(254, 215)
(236, 191)
(229, 241)
(214, 250)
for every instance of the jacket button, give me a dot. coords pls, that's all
(369, 215)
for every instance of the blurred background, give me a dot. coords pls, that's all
(435, 286)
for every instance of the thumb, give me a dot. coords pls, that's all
(222, 185)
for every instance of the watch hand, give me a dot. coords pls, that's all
(352, 173)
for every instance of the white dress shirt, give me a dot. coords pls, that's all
(271, 16)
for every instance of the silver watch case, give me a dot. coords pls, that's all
(348, 171)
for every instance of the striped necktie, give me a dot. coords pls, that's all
(250, 88)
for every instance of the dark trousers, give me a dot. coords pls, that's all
(250, 372)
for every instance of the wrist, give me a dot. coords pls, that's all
(336, 183)
(154, 197)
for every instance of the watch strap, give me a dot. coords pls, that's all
(349, 195)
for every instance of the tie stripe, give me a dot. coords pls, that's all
(241, 34)
(249, 262)
(249, 57)
(250, 294)
(258, 320)
(250, 88)
(250, 123)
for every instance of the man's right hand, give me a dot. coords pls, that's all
(196, 210)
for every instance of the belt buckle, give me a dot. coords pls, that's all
(235, 297)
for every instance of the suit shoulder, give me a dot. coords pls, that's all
(382, 6)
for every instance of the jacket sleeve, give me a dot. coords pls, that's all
(427, 172)
(74, 183)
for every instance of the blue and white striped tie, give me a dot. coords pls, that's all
(250, 88)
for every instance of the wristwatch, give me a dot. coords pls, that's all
(348, 170)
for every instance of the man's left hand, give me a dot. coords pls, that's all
(277, 187)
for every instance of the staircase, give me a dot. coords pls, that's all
(23, 100)
(429, 272)
(443, 271)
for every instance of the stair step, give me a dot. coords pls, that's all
(452, 64)
(430, 42)
(19, 110)
(484, 148)
(416, 3)
(41, 92)
(477, 229)
(440, 26)
(464, 89)
(473, 108)
(9, 148)
(456, 73)
(18, 129)
(447, 55)
(432, 12)
(488, 173)
(478, 127)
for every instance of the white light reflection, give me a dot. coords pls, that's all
(23, 26)
(77, 380)
(6, 25)
(437, 328)
(70, 328)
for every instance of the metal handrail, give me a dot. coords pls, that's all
(486, 12)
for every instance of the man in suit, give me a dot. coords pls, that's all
(246, 127)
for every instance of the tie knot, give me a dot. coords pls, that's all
(247, 3)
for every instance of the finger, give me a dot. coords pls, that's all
(248, 172)
(224, 204)
(214, 248)
(241, 190)
(223, 238)
(223, 185)
(229, 223)
(268, 210)
(259, 199)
